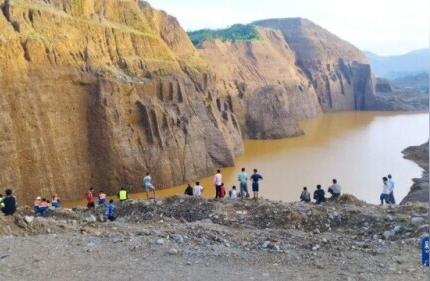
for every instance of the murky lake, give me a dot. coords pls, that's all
(356, 148)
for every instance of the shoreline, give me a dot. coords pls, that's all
(419, 191)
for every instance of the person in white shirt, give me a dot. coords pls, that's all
(391, 184)
(198, 189)
(218, 184)
(385, 195)
(147, 183)
(233, 193)
(335, 189)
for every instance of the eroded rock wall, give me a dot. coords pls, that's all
(261, 82)
(96, 93)
(337, 70)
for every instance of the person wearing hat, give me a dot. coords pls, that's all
(37, 203)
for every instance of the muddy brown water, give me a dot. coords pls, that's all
(356, 148)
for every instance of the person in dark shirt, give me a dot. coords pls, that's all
(256, 177)
(189, 190)
(9, 203)
(319, 195)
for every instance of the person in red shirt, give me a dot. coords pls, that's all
(90, 199)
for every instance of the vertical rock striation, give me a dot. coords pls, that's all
(96, 93)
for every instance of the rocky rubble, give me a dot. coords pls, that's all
(337, 240)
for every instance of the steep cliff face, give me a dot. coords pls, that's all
(338, 71)
(96, 93)
(267, 91)
(293, 70)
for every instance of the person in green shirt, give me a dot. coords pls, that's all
(243, 183)
(122, 194)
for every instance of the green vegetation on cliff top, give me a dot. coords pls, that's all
(237, 32)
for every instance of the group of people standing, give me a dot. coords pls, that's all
(220, 191)
(319, 194)
(387, 194)
(41, 205)
(122, 196)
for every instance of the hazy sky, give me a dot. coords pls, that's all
(385, 27)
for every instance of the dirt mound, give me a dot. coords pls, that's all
(350, 199)
(183, 209)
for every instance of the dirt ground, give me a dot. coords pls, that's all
(194, 239)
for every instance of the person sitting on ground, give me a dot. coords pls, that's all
(189, 190)
(43, 206)
(319, 195)
(243, 184)
(233, 193)
(101, 199)
(198, 189)
(256, 177)
(305, 196)
(9, 202)
(110, 210)
(1, 201)
(385, 195)
(122, 195)
(37, 203)
(55, 201)
(335, 190)
(147, 184)
(90, 199)
(392, 185)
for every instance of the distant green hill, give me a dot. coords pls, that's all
(237, 32)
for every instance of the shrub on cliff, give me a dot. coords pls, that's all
(237, 32)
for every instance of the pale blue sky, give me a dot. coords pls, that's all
(385, 27)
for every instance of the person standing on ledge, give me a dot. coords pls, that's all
(256, 177)
(147, 184)
(122, 195)
(243, 184)
(335, 190)
(90, 199)
(9, 203)
(385, 195)
(110, 211)
(305, 196)
(319, 195)
(392, 185)
(218, 184)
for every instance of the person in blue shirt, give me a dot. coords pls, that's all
(110, 211)
(256, 177)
